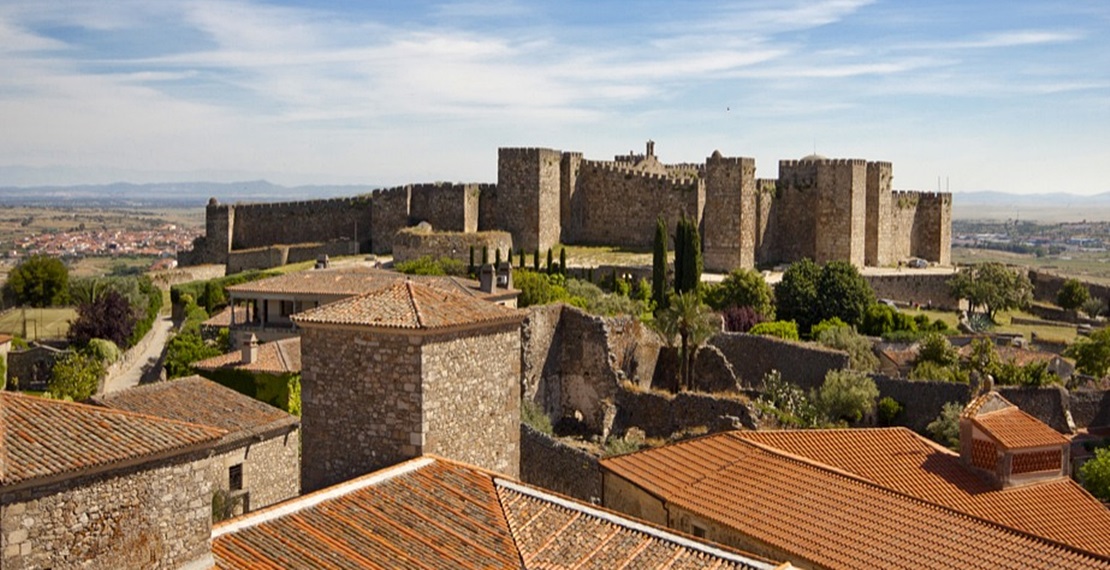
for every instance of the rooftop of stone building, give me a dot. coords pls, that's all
(275, 357)
(436, 513)
(412, 306)
(356, 280)
(872, 498)
(44, 439)
(201, 401)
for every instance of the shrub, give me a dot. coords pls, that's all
(880, 319)
(1094, 307)
(786, 330)
(945, 430)
(741, 319)
(846, 395)
(787, 402)
(1095, 474)
(538, 289)
(936, 348)
(75, 376)
(1092, 354)
(827, 324)
(103, 350)
(1073, 294)
(929, 370)
(888, 410)
(591, 298)
(742, 288)
(861, 354)
(428, 265)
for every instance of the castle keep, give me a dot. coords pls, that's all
(818, 208)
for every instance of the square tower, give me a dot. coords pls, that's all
(730, 214)
(529, 195)
(841, 211)
(407, 370)
(878, 250)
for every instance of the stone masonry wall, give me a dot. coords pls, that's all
(922, 400)
(841, 211)
(903, 224)
(271, 469)
(916, 288)
(447, 207)
(263, 225)
(661, 415)
(792, 234)
(1090, 408)
(752, 356)
(471, 388)
(551, 464)
(568, 182)
(412, 243)
(933, 230)
(360, 403)
(615, 205)
(389, 214)
(1046, 287)
(878, 234)
(730, 213)
(278, 255)
(528, 196)
(148, 516)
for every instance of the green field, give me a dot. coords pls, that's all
(41, 323)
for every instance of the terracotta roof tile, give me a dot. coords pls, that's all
(275, 357)
(223, 318)
(43, 438)
(1014, 429)
(350, 281)
(201, 401)
(5, 338)
(435, 513)
(829, 517)
(409, 305)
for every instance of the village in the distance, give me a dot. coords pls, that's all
(596, 363)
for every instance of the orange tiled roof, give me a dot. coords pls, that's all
(201, 401)
(435, 513)
(5, 338)
(904, 462)
(274, 357)
(223, 318)
(409, 305)
(350, 281)
(828, 516)
(44, 438)
(1012, 428)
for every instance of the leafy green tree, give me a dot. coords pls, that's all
(796, 295)
(687, 252)
(930, 370)
(785, 330)
(787, 402)
(1092, 354)
(659, 289)
(861, 355)
(38, 281)
(692, 323)
(563, 260)
(846, 395)
(992, 287)
(1095, 474)
(984, 357)
(945, 430)
(1073, 294)
(880, 320)
(75, 376)
(109, 317)
(842, 292)
(936, 348)
(888, 410)
(742, 288)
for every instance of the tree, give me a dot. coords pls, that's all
(470, 269)
(993, 287)
(536, 260)
(109, 317)
(1092, 354)
(743, 288)
(75, 376)
(39, 281)
(846, 395)
(550, 262)
(687, 251)
(842, 292)
(563, 260)
(1095, 474)
(1073, 294)
(659, 287)
(796, 295)
(861, 355)
(692, 323)
(935, 348)
(785, 330)
(945, 429)
(880, 319)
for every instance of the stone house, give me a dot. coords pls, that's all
(256, 463)
(30, 368)
(270, 372)
(863, 498)
(407, 370)
(432, 512)
(81, 483)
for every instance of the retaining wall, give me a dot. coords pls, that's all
(551, 464)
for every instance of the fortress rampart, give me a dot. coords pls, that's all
(818, 208)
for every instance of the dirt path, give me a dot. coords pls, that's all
(148, 366)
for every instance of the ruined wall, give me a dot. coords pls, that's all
(1090, 408)
(922, 400)
(731, 217)
(933, 228)
(313, 221)
(412, 243)
(154, 515)
(915, 288)
(660, 414)
(389, 214)
(30, 369)
(553, 465)
(752, 356)
(528, 196)
(471, 404)
(1046, 287)
(447, 207)
(614, 205)
(878, 231)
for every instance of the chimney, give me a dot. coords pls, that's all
(250, 349)
(505, 275)
(486, 278)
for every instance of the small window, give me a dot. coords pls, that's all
(235, 477)
(698, 530)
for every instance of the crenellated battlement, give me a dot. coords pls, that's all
(618, 168)
(323, 203)
(825, 161)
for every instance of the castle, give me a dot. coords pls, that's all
(817, 208)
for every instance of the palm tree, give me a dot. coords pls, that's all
(692, 323)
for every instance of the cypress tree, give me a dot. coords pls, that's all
(693, 256)
(680, 254)
(563, 261)
(658, 265)
(536, 260)
(497, 257)
(550, 269)
(470, 268)
(590, 274)
(485, 254)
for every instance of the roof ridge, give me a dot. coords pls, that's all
(104, 408)
(420, 320)
(837, 472)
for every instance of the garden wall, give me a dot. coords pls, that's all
(551, 464)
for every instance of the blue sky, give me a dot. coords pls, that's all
(1010, 96)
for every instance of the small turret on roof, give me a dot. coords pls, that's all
(1013, 447)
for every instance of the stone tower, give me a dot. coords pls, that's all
(878, 251)
(730, 216)
(407, 370)
(528, 196)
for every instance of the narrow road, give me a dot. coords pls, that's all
(148, 366)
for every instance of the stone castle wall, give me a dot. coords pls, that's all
(528, 196)
(412, 243)
(841, 211)
(915, 288)
(615, 205)
(753, 356)
(877, 250)
(731, 219)
(278, 255)
(933, 232)
(313, 221)
(271, 469)
(148, 516)
(447, 207)
(792, 231)
(551, 464)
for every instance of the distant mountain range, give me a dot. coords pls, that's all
(966, 205)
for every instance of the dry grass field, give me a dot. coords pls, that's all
(40, 323)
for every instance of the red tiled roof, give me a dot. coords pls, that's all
(435, 513)
(43, 438)
(5, 338)
(275, 357)
(201, 401)
(223, 318)
(1012, 428)
(829, 517)
(350, 281)
(902, 461)
(409, 305)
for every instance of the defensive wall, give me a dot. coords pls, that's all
(753, 356)
(1046, 286)
(415, 242)
(918, 288)
(277, 255)
(549, 463)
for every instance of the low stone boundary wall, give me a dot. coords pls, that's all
(129, 357)
(1090, 408)
(413, 243)
(752, 356)
(922, 400)
(922, 289)
(278, 255)
(660, 415)
(551, 464)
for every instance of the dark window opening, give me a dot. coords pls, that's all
(235, 477)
